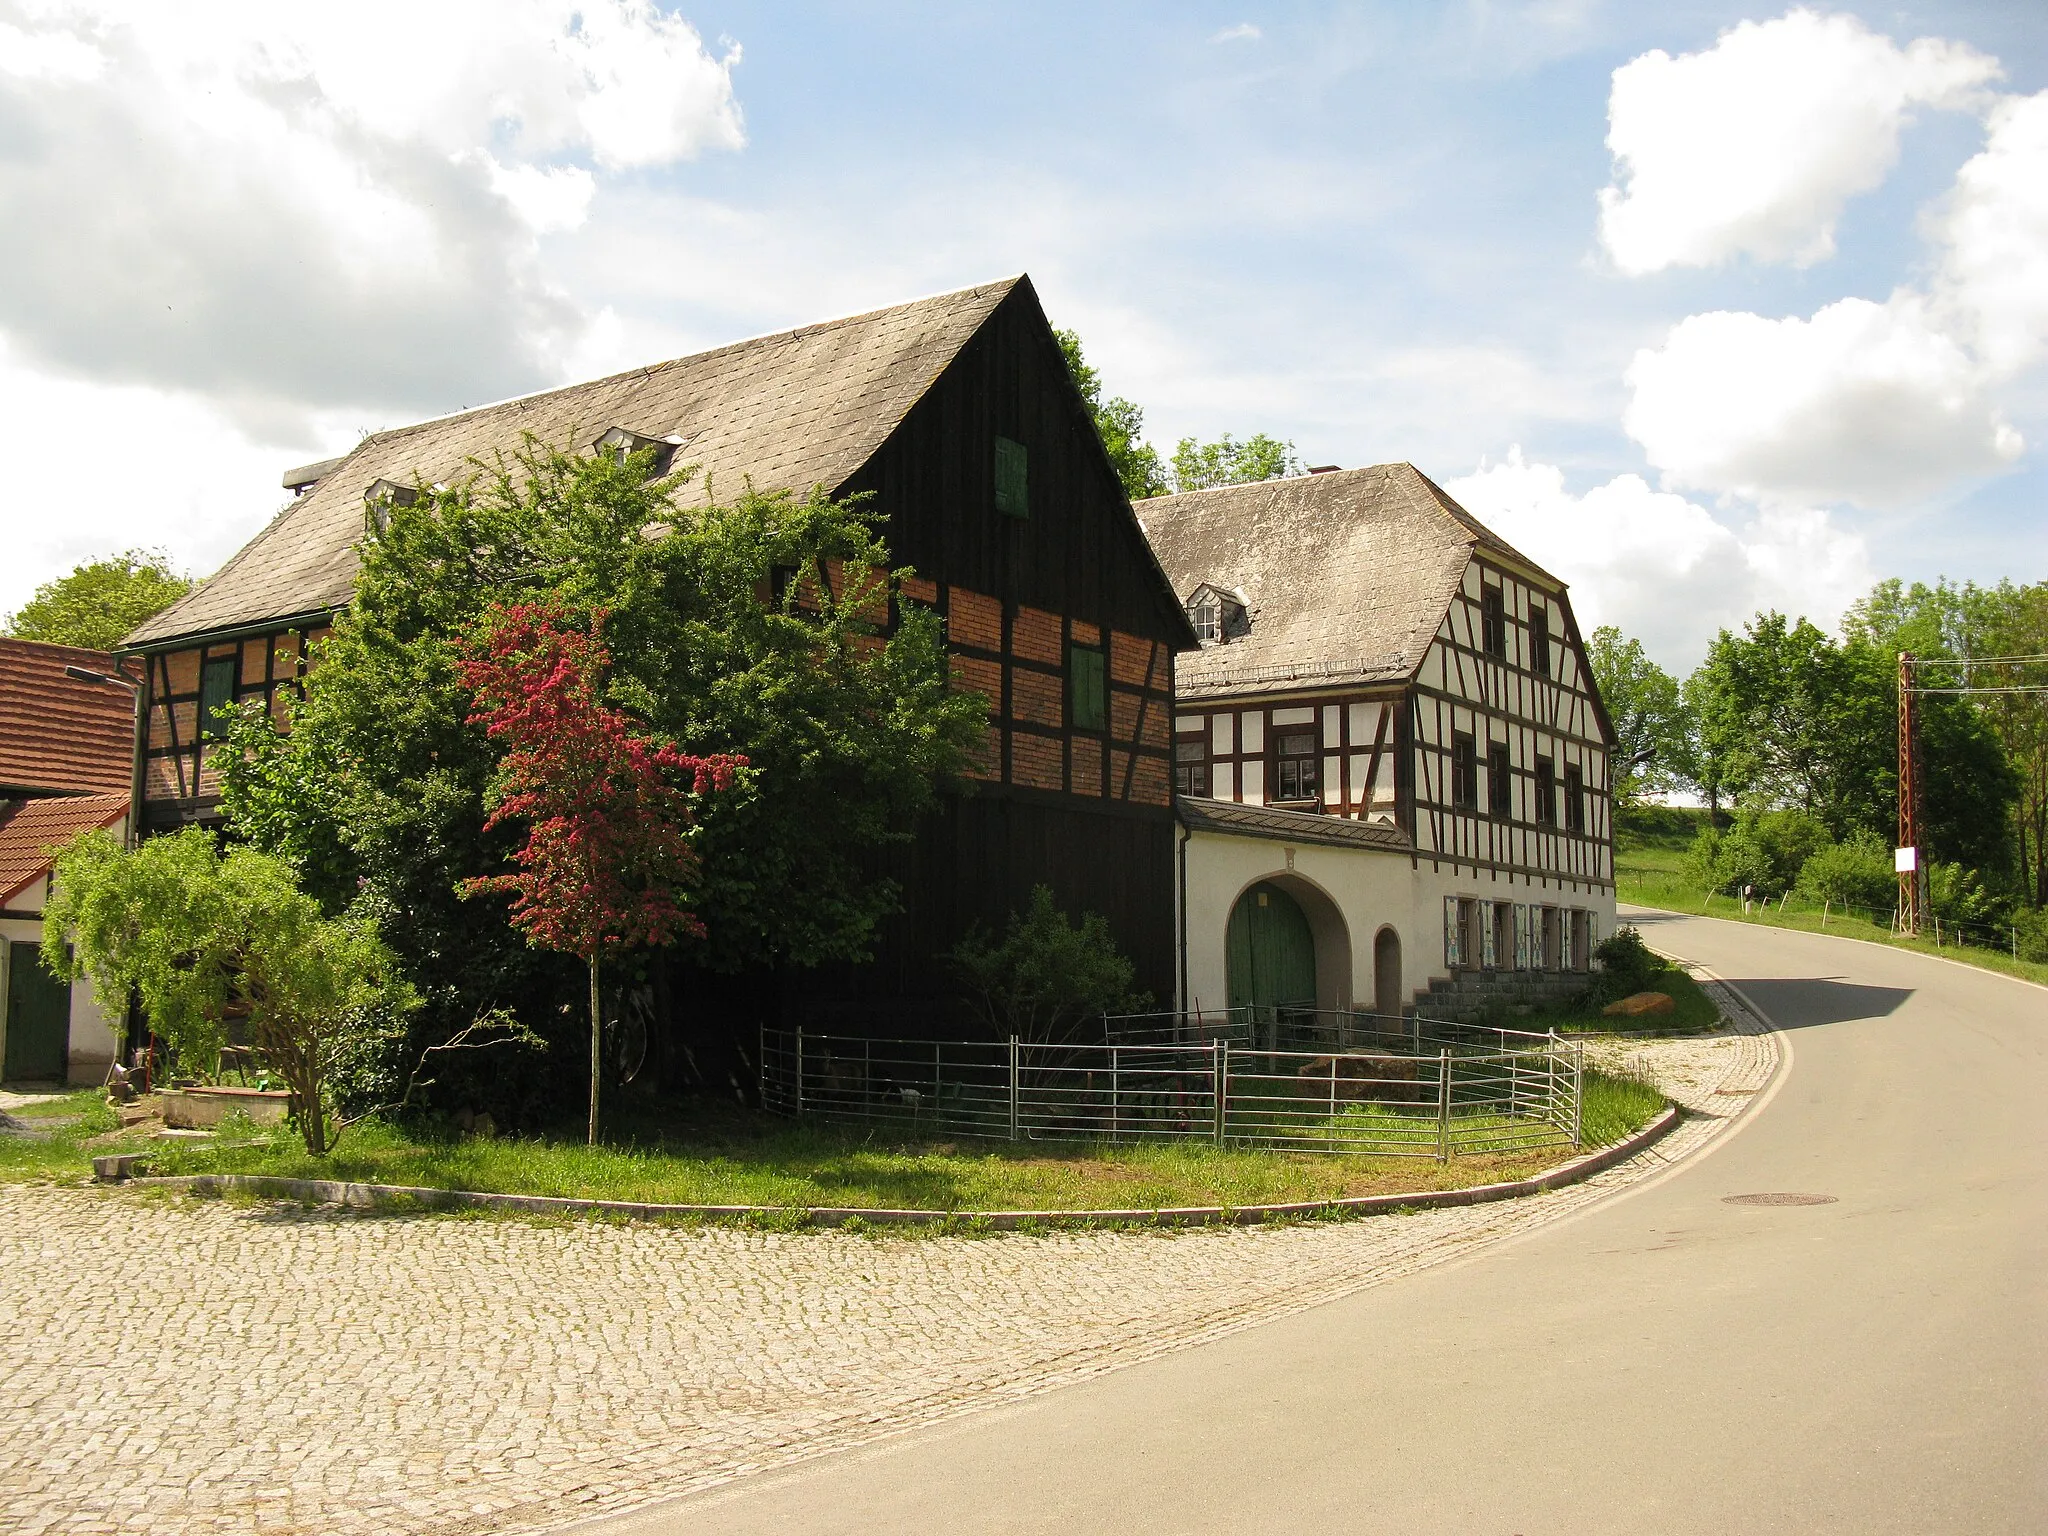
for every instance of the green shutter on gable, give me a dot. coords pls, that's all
(1013, 479)
(1087, 688)
(216, 689)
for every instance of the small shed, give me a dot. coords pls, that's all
(51, 1031)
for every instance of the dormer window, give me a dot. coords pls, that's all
(621, 443)
(381, 497)
(1217, 614)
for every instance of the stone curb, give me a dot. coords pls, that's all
(373, 1196)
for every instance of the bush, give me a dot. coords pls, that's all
(1857, 873)
(2032, 923)
(1626, 964)
(1049, 975)
(1957, 895)
(1764, 850)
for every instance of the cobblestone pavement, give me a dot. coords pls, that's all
(179, 1367)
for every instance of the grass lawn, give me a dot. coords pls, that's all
(713, 1154)
(60, 1146)
(1694, 1014)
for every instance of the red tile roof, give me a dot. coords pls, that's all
(36, 825)
(57, 733)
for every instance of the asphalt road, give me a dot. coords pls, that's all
(1663, 1362)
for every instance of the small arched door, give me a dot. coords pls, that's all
(1386, 974)
(1271, 954)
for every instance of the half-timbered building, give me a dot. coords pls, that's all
(958, 415)
(1393, 757)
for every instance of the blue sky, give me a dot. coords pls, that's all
(1375, 230)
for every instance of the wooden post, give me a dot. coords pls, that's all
(596, 1046)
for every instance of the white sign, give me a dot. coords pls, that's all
(1905, 860)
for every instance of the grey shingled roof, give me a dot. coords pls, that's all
(1346, 575)
(1225, 816)
(800, 408)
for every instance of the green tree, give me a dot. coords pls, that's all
(1785, 717)
(1649, 715)
(1965, 781)
(752, 626)
(1203, 466)
(101, 602)
(1049, 975)
(1119, 423)
(200, 935)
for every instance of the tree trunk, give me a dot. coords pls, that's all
(596, 1047)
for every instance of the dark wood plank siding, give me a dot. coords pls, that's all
(1076, 570)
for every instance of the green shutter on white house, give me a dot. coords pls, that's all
(1013, 479)
(1087, 688)
(1454, 936)
(1524, 942)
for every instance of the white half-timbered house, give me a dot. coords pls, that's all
(1392, 758)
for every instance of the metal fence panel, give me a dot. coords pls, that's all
(1466, 1092)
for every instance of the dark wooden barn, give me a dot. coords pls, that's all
(958, 414)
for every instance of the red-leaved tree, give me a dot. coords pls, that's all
(607, 856)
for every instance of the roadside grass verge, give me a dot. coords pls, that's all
(1651, 887)
(698, 1152)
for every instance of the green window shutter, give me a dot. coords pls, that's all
(1013, 479)
(216, 688)
(1087, 688)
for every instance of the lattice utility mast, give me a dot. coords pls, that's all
(1911, 866)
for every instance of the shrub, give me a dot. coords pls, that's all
(1857, 873)
(1048, 975)
(2032, 923)
(1764, 850)
(1957, 895)
(1626, 964)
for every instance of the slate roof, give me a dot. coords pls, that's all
(35, 825)
(59, 735)
(1225, 816)
(1346, 574)
(797, 409)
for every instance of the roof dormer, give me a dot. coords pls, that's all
(1218, 614)
(380, 497)
(621, 443)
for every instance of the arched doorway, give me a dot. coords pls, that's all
(1386, 973)
(1270, 953)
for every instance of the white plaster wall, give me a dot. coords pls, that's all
(1371, 889)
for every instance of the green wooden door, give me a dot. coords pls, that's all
(38, 1019)
(1271, 955)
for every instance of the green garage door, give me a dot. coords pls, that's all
(1271, 955)
(38, 1019)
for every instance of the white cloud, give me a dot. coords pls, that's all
(292, 208)
(1994, 226)
(1243, 32)
(1877, 403)
(1753, 146)
(1871, 403)
(1662, 568)
(94, 468)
